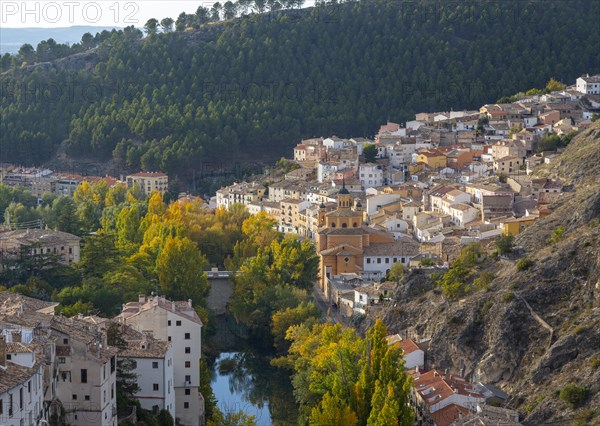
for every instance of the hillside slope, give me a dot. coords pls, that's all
(536, 330)
(256, 85)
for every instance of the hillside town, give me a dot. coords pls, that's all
(415, 195)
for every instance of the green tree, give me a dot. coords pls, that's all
(180, 267)
(370, 153)
(504, 244)
(396, 272)
(305, 313)
(167, 24)
(151, 26)
(332, 411)
(127, 379)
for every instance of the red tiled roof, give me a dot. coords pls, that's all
(448, 414)
(408, 346)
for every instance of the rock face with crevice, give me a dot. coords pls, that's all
(547, 333)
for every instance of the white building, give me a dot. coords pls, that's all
(335, 143)
(87, 373)
(176, 322)
(379, 258)
(21, 384)
(153, 365)
(413, 355)
(588, 85)
(438, 390)
(325, 171)
(462, 213)
(370, 175)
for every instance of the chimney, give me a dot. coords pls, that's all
(16, 336)
(142, 298)
(2, 351)
(190, 302)
(80, 316)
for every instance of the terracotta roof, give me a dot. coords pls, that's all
(181, 308)
(17, 348)
(448, 414)
(145, 348)
(434, 387)
(408, 346)
(10, 301)
(14, 375)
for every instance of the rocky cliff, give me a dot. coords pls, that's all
(534, 330)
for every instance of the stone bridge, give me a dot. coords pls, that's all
(221, 289)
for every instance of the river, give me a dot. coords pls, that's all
(243, 379)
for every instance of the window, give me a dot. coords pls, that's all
(379, 260)
(113, 364)
(187, 364)
(169, 322)
(188, 350)
(187, 391)
(155, 364)
(169, 338)
(387, 260)
(29, 386)
(83, 375)
(2, 406)
(87, 397)
(186, 405)
(187, 336)
(188, 378)
(21, 398)
(65, 341)
(368, 260)
(155, 386)
(178, 323)
(9, 356)
(62, 360)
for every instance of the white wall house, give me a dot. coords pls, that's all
(370, 175)
(87, 374)
(176, 322)
(413, 355)
(21, 384)
(376, 202)
(588, 85)
(462, 213)
(153, 364)
(336, 143)
(325, 171)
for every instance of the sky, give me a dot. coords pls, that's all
(66, 13)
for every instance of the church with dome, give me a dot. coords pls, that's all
(347, 246)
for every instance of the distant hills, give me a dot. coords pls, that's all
(11, 39)
(210, 95)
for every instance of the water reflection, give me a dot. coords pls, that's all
(246, 381)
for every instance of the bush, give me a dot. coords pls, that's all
(504, 244)
(426, 262)
(595, 363)
(573, 395)
(524, 264)
(579, 329)
(508, 296)
(557, 235)
(484, 280)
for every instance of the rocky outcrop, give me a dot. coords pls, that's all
(536, 330)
